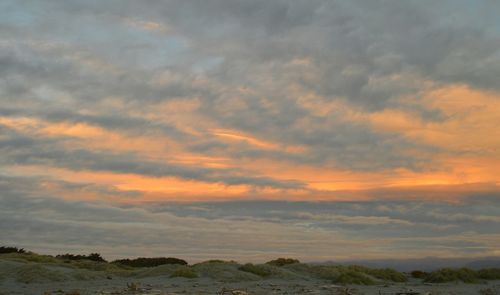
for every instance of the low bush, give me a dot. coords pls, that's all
(282, 261)
(93, 257)
(5, 250)
(150, 262)
(184, 272)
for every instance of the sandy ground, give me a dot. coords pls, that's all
(21, 277)
(166, 285)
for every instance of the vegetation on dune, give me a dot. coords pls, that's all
(217, 261)
(162, 270)
(103, 267)
(257, 269)
(30, 257)
(386, 274)
(5, 250)
(184, 272)
(213, 262)
(226, 271)
(418, 274)
(352, 277)
(93, 257)
(444, 275)
(465, 275)
(323, 272)
(29, 267)
(341, 274)
(282, 261)
(489, 273)
(150, 262)
(216, 265)
(344, 274)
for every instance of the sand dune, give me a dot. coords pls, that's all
(45, 275)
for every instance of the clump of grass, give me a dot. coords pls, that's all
(257, 269)
(282, 261)
(445, 275)
(418, 274)
(184, 272)
(352, 277)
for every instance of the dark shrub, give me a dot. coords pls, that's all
(150, 262)
(5, 250)
(282, 261)
(418, 274)
(93, 257)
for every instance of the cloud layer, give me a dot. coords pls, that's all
(111, 107)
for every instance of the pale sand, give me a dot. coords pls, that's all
(166, 285)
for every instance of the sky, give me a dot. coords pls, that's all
(251, 129)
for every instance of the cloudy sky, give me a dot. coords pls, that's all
(251, 129)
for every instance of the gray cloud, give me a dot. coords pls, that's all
(354, 50)
(250, 230)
